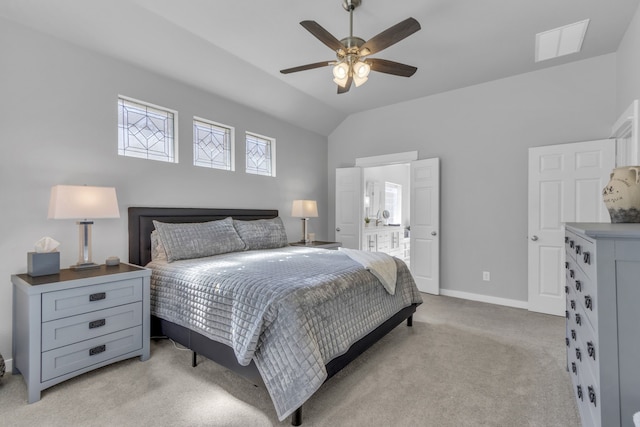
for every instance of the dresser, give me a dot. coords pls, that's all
(73, 322)
(603, 321)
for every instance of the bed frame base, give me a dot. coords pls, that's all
(224, 355)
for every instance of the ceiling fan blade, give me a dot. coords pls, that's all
(346, 87)
(391, 67)
(306, 67)
(323, 35)
(390, 36)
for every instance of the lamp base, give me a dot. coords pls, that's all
(84, 266)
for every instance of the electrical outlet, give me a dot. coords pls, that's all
(486, 276)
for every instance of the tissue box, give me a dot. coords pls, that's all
(41, 264)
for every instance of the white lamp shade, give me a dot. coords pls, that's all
(83, 202)
(304, 209)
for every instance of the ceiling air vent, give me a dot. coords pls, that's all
(560, 41)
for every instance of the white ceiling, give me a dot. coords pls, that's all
(236, 48)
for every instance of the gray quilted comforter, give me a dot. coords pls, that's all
(291, 310)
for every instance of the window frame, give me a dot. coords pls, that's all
(272, 144)
(174, 136)
(232, 144)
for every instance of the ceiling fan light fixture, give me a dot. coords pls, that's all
(341, 82)
(341, 71)
(357, 80)
(361, 69)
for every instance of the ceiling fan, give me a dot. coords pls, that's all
(353, 63)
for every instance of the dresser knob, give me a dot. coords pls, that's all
(566, 239)
(574, 368)
(592, 395)
(578, 354)
(578, 249)
(579, 392)
(566, 340)
(573, 304)
(588, 302)
(591, 349)
(586, 258)
(571, 243)
(572, 274)
(566, 314)
(579, 285)
(566, 289)
(573, 334)
(566, 264)
(578, 319)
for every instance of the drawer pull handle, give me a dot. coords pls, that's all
(578, 354)
(97, 323)
(574, 368)
(566, 340)
(97, 350)
(578, 249)
(566, 265)
(588, 302)
(566, 289)
(573, 334)
(97, 296)
(571, 243)
(566, 239)
(592, 395)
(579, 285)
(591, 349)
(573, 304)
(572, 274)
(579, 392)
(566, 314)
(578, 319)
(586, 258)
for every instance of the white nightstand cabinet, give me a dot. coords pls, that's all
(70, 323)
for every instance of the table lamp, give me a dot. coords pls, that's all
(83, 203)
(304, 209)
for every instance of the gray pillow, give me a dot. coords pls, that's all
(198, 239)
(262, 233)
(157, 248)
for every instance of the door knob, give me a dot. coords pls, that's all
(338, 229)
(433, 233)
(534, 238)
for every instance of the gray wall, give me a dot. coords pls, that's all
(628, 66)
(59, 126)
(481, 134)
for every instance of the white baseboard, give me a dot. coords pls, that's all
(485, 298)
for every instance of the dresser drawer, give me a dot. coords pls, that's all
(70, 302)
(69, 330)
(64, 360)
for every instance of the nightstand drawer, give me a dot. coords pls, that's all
(69, 330)
(69, 302)
(74, 357)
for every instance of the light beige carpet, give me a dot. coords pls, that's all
(463, 363)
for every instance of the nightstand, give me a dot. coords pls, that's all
(73, 322)
(318, 244)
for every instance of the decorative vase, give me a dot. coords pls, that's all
(622, 194)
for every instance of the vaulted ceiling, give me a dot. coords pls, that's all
(236, 48)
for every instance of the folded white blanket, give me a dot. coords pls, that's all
(380, 264)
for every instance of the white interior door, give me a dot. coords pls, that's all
(349, 205)
(425, 224)
(565, 185)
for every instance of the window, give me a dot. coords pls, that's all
(213, 145)
(261, 155)
(146, 131)
(393, 202)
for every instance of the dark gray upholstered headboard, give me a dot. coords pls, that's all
(141, 224)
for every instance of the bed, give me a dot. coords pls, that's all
(286, 318)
